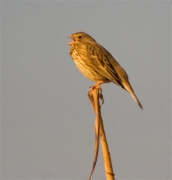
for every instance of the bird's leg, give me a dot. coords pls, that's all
(97, 85)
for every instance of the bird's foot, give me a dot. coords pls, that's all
(96, 86)
(100, 92)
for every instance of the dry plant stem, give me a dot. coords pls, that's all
(94, 99)
(94, 96)
(106, 154)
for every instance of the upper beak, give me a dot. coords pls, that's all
(70, 36)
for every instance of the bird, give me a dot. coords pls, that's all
(97, 64)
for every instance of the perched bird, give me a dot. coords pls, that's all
(97, 64)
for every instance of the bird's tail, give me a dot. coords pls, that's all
(128, 87)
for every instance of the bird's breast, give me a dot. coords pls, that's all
(87, 67)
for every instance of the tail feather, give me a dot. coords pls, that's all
(128, 87)
(136, 99)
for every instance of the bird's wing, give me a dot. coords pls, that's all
(106, 62)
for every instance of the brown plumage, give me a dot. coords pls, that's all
(97, 64)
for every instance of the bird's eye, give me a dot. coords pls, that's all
(79, 37)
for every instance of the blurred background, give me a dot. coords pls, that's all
(47, 120)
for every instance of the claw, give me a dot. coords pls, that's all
(102, 99)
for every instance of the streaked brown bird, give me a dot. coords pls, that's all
(97, 64)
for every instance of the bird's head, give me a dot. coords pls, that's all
(80, 37)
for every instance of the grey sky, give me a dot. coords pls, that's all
(47, 121)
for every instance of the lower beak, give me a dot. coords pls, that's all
(70, 43)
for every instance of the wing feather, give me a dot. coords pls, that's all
(106, 62)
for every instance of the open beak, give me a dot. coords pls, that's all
(71, 36)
